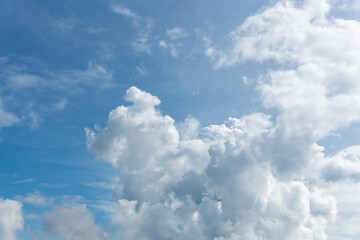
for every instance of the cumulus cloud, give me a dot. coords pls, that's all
(73, 222)
(344, 165)
(254, 177)
(218, 182)
(319, 77)
(11, 219)
(160, 157)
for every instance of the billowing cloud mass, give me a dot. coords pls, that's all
(73, 222)
(11, 219)
(251, 177)
(223, 181)
(318, 79)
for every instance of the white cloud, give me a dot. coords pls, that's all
(35, 198)
(166, 159)
(141, 70)
(249, 178)
(124, 11)
(65, 24)
(221, 181)
(163, 44)
(141, 43)
(33, 120)
(95, 76)
(173, 44)
(11, 219)
(347, 221)
(319, 77)
(176, 33)
(20, 81)
(22, 88)
(18, 78)
(61, 104)
(344, 165)
(25, 181)
(7, 119)
(172, 47)
(350, 5)
(72, 222)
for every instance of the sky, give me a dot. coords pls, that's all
(184, 119)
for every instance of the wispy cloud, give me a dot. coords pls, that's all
(176, 33)
(25, 181)
(94, 30)
(7, 118)
(141, 70)
(23, 87)
(124, 11)
(54, 185)
(141, 44)
(35, 198)
(65, 24)
(173, 43)
(61, 104)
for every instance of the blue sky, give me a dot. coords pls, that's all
(259, 113)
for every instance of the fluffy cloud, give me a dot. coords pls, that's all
(249, 178)
(344, 165)
(222, 181)
(159, 156)
(11, 219)
(73, 222)
(318, 79)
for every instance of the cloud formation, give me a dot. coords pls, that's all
(176, 33)
(244, 179)
(144, 25)
(318, 79)
(11, 219)
(256, 177)
(22, 90)
(7, 118)
(73, 222)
